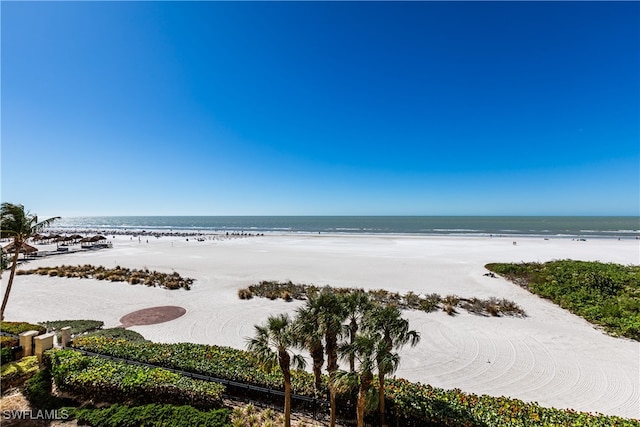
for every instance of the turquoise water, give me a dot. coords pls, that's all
(623, 227)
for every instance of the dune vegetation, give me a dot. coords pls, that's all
(289, 291)
(117, 274)
(605, 294)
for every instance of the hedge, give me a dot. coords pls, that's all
(413, 403)
(17, 328)
(152, 415)
(118, 382)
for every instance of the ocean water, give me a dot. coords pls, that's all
(579, 226)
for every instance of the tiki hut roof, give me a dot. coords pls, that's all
(24, 249)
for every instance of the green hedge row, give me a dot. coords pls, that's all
(430, 405)
(418, 404)
(221, 362)
(110, 381)
(152, 415)
(17, 328)
(77, 326)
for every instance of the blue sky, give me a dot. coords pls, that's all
(321, 108)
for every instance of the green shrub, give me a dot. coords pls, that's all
(430, 303)
(17, 328)
(425, 405)
(111, 381)
(413, 402)
(6, 341)
(6, 355)
(16, 372)
(221, 362)
(605, 294)
(151, 415)
(118, 334)
(118, 274)
(289, 291)
(38, 391)
(77, 326)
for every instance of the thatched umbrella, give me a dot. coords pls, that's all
(25, 248)
(98, 238)
(85, 240)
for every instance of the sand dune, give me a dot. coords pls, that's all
(551, 356)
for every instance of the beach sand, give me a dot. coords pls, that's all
(551, 357)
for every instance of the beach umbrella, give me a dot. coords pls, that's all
(86, 240)
(97, 238)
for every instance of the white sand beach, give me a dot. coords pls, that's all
(551, 356)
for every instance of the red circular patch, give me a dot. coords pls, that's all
(152, 316)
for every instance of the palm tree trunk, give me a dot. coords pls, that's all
(383, 420)
(285, 367)
(18, 245)
(318, 361)
(332, 401)
(332, 366)
(365, 385)
(287, 401)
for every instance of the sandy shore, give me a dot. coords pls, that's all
(551, 357)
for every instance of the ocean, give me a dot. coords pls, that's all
(560, 226)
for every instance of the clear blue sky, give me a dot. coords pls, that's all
(321, 108)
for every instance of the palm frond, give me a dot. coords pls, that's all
(298, 362)
(345, 382)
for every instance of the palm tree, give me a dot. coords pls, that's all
(369, 351)
(356, 303)
(309, 336)
(394, 333)
(271, 346)
(20, 226)
(329, 311)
